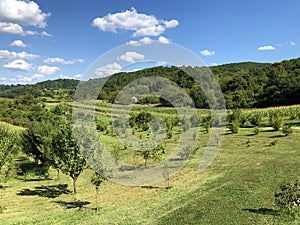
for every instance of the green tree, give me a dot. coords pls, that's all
(70, 158)
(8, 144)
(97, 179)
(37, 142)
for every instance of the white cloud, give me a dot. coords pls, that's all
(292, 43)
(141, 24)
(21, 79)
(37, 76)
(14, 14)
(18, 64)
(48, 69)
(171, 23)
(131, 57)
(26, 13)
(78, 76)
(149, 31)
(62, 76)
(207, 53)
(3, 79)
(143, 41)
(18, 43)
(266, 48)
(12, 28)
(7, 55)
(62, 61)
(164, 40)
(109, 69)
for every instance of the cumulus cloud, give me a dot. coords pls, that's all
(143, 41)
(131, 57)
(14, 14)
(18, 64)
(164, 40)
(62, 61)
(141, 24)
(171, 23)
(18, 43)
(3, 79)
(78, 75)
(109, 69)
(7, 55)
(149, 31)
(266, 48)
(37, 76)
(47, 69)
(12, 28)
(26, 13)
(207, 53)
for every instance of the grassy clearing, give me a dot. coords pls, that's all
(238, 188)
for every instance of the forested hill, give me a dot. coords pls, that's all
(244, 85)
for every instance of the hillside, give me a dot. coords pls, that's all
(244, 85)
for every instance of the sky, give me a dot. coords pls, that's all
(42, 40)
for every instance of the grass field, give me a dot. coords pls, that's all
(238, 188)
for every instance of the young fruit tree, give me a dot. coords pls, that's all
(97, 179)
(65, 147)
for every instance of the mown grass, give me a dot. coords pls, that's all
(238, 188)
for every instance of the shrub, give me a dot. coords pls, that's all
(287, 130)
(275, 120)
(289, 196)
(234, 126)
(256, 130)
(255, 119)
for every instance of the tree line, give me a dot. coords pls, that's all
(244, 85)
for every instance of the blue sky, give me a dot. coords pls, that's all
(41, 40)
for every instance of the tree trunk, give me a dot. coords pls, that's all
(74, 184)
(97, 199)
(57, 174)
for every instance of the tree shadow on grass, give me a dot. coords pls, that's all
(264, 211)
(3, 187)
(278, 136)
(51, 191)
(73, 205)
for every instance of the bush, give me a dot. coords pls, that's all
(289, 196)
(275, 120)
(256, 130)
(287, 130)
(255, 119)
(234, 126)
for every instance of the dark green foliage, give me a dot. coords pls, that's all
(289, 196)
(142, 120)
(37, 142)
(287, 130)
(244, 85)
